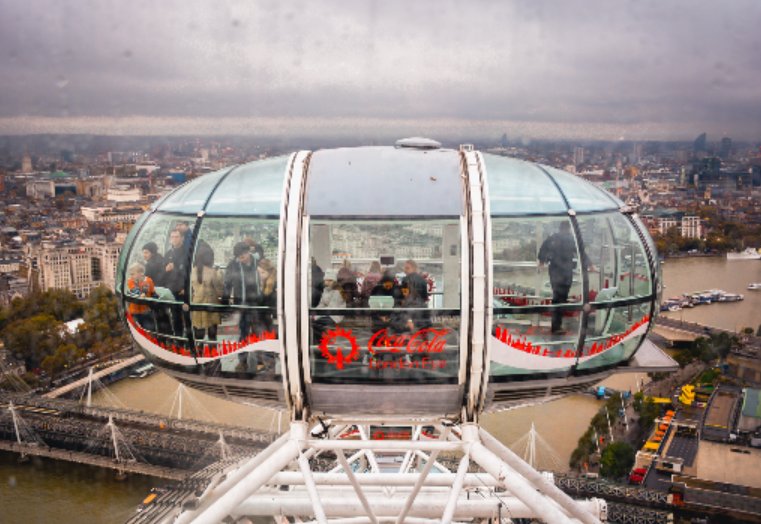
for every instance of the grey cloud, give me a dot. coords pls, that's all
(575, 61)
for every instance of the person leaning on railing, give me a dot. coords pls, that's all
(140, 286)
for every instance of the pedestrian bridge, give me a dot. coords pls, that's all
(73, 386)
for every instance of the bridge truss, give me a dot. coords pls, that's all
(365, 471)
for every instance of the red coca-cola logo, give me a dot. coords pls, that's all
(337, 351)
(428, 340)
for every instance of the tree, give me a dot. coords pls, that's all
(723, 343)
(616, 460)
(646, 409)
(103, 330)
(586, 446)
(32, 339)
(61, 304)
(61, 358)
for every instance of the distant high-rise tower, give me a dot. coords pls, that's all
(699, 145)
(26, 163)
(725, 151)
(637, 153)
(503, 141)
(578, 156)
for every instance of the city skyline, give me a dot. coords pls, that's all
(576, 70)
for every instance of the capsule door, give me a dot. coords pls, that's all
(381, 318)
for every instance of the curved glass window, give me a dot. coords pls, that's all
(385, 301)
(124, 254)
(381, 181)
(618, 264)
(520, 188)
(614, 334)
(163, 239)
(654, 257)
(254, 189)
(233, 296)
(155, 284)
(581, 195)
(523, 343)
(191, 197)
(535, 262)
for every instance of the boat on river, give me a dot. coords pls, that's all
(143, 371)
(750, 253)
(710, 296)
(754, 286)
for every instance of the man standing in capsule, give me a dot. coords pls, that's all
(559, 250)
(175, 275)
(242, 285)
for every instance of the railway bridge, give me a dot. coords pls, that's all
(121, 439)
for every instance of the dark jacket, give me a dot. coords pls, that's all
(418, 286)
(155, 269)
(559, 251)
(242, 283)
(176, 279)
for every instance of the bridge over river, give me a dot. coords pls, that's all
(96, 375)
(121, 439)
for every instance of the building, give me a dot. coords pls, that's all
(111, 214)
(9, 265)
(90, 188)
(11, 287)
(637, 153)
(691, 227)
(124, 194)
(750, 419)
(39, 189)
(578, 156)
(666, 223)
(26, 163)
(746, 367)
(725, 151)
(699, 145)
(80, 268)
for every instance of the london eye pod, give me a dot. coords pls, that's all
(411, 280)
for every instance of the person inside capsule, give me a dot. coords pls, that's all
(559, 250)
(140, 286)
(267, 274)
(175, 276)
(385, 295)
(417, 283)
(206, 287)
(332, 298)
(242, 286)
(412, 315)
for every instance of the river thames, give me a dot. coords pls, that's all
(43, 490)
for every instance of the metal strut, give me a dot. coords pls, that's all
(300, 476)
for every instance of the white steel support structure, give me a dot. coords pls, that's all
(480, 289)
(305, 477)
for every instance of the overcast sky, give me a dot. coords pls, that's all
(537, 68)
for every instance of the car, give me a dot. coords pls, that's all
(636, 479)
